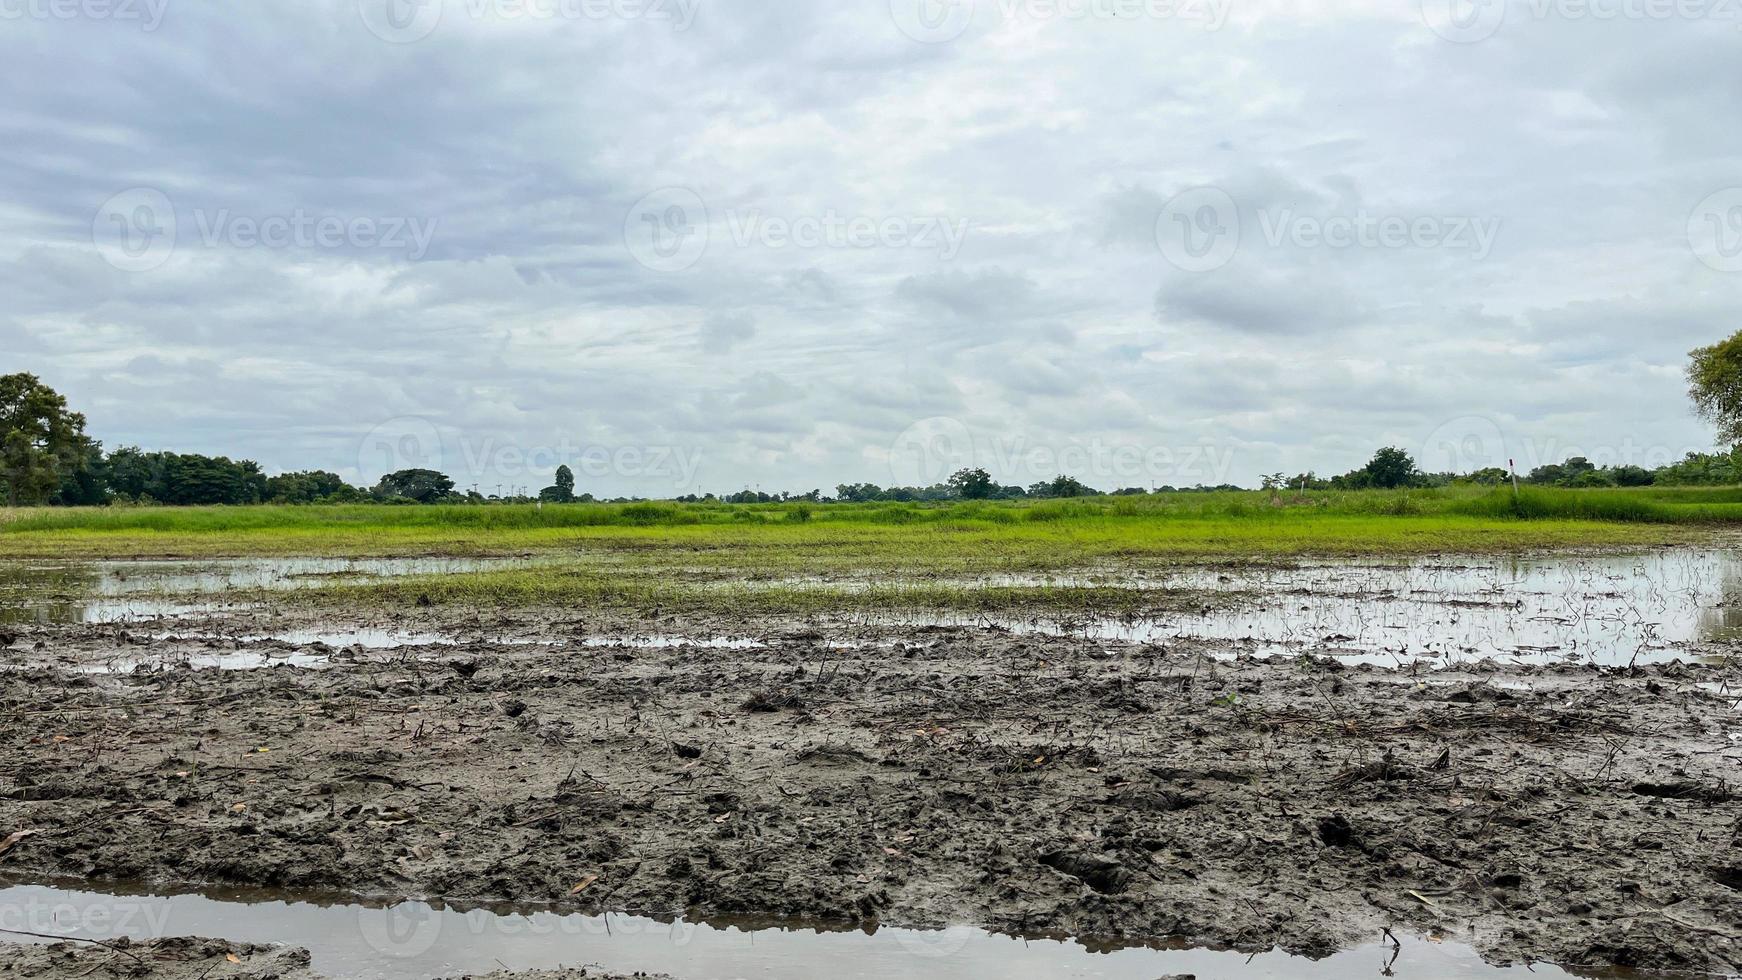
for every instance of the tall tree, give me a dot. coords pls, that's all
(1715, 385)
(41, 442)
(563, 491)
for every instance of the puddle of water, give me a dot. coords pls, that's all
(120, 591)
(661, 642)
(1607, 609)
(420, 940)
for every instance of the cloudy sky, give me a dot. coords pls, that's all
(691, 245)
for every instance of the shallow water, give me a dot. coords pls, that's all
(419, 940)
(1605, 609)
(127, 591)
(1610, 609)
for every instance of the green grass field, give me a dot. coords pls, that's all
(804, 557)
(1015, 535)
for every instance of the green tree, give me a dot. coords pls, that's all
(563, 491)
(972, 484)
(1715, 385)
(185, 478)
(86, 480)
(1632, 476)
(1390, 468)
(41, 442)
(423, 486)
(309, 487)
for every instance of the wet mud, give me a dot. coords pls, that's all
(1574, 814)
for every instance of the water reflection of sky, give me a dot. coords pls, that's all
(418, 940)
(1606, 609)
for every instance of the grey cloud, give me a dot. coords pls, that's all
(531, 318)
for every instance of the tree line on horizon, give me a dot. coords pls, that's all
(47, 459)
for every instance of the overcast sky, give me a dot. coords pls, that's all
(692, 245)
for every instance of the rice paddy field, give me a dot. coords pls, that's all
(1423, 733)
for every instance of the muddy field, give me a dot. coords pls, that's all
(1104, 790)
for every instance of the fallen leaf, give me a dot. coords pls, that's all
(12, 841)
(582, 885)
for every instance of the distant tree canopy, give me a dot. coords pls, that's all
(46, 458)
(42, 444)
(310, 487)
(420, 485)
(185, 478)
